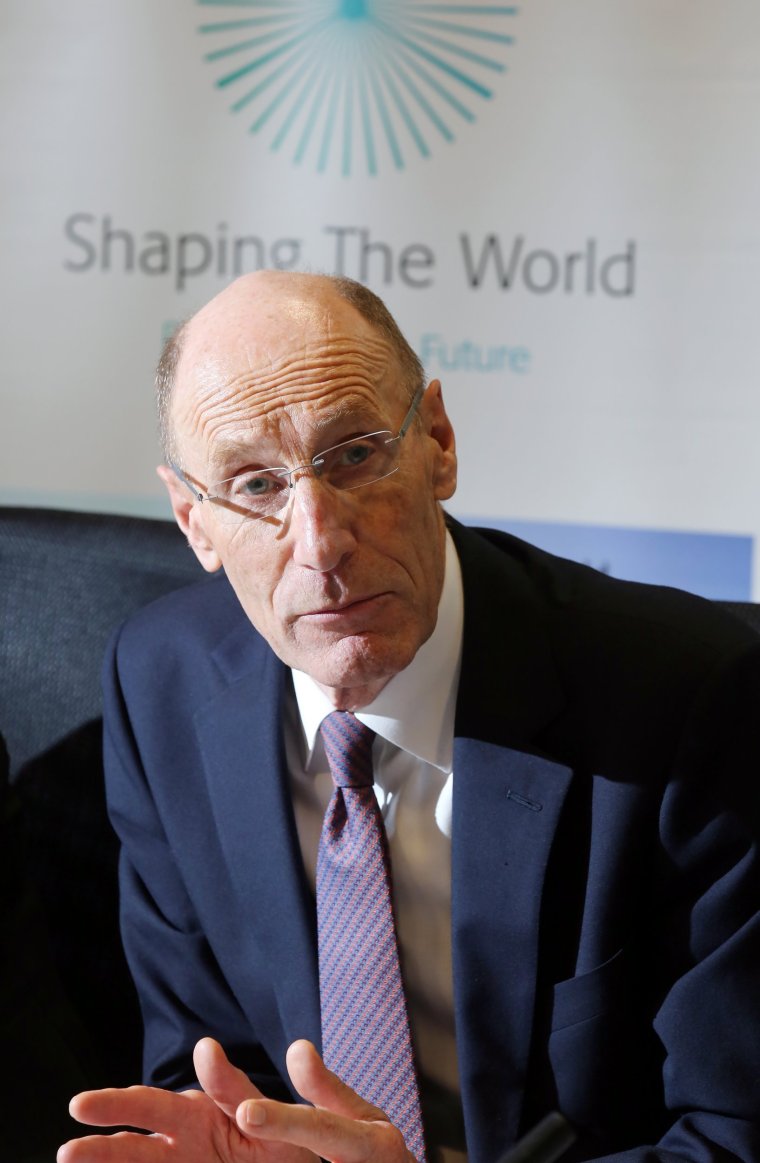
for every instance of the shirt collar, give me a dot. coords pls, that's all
(415, 710)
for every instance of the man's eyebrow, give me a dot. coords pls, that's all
(226, 450)
(343, 412)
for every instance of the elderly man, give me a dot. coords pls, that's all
(565, 772)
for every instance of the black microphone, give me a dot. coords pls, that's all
(544, 1143)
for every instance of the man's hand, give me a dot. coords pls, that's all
(229, 1121)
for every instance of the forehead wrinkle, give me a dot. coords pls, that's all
(279, 424)
(250, 407)
(368, 359)
(302, 380)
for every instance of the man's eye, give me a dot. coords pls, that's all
(356, 454)
(255, 486)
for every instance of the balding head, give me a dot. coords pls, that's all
(242, 309)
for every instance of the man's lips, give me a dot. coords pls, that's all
(345, 610)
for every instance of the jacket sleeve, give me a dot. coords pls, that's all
(183, 993)
(708, 928)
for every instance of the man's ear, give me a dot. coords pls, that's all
(439, 427)
(188, 517)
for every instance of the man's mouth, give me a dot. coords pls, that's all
(347, 609)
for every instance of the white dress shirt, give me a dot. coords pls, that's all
(413, 718)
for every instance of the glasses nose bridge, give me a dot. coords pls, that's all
(316, 466)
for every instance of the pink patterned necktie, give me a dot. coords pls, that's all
(365, 1026)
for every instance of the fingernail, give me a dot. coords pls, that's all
(254, 1114)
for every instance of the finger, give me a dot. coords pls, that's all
(322, 1088)
(221, 1081)
(144, 1107)
(113, 1148)
(323, 1132)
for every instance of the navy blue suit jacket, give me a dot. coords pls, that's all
(605, 873)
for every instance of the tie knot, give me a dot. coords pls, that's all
(348, 746)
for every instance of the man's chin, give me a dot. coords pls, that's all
(355, 662)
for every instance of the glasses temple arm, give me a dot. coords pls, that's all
(179, 473)
(412, 410)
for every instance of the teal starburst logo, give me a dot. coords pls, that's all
(357, 85)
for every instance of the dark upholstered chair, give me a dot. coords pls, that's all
(68, 1013)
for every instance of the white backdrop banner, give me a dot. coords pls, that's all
(558, 200)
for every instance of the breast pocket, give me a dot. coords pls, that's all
(581, 998)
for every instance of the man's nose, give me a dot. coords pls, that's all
(319, 523)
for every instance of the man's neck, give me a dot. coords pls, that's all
(353, 698)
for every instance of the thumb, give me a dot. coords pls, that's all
(319, 1086)
(221, 1081)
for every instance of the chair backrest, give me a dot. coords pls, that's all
(66, 581)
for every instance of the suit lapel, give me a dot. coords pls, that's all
(241, 740)
(507, 804)
(506, 808)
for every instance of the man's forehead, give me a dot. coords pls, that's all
(259, 325)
